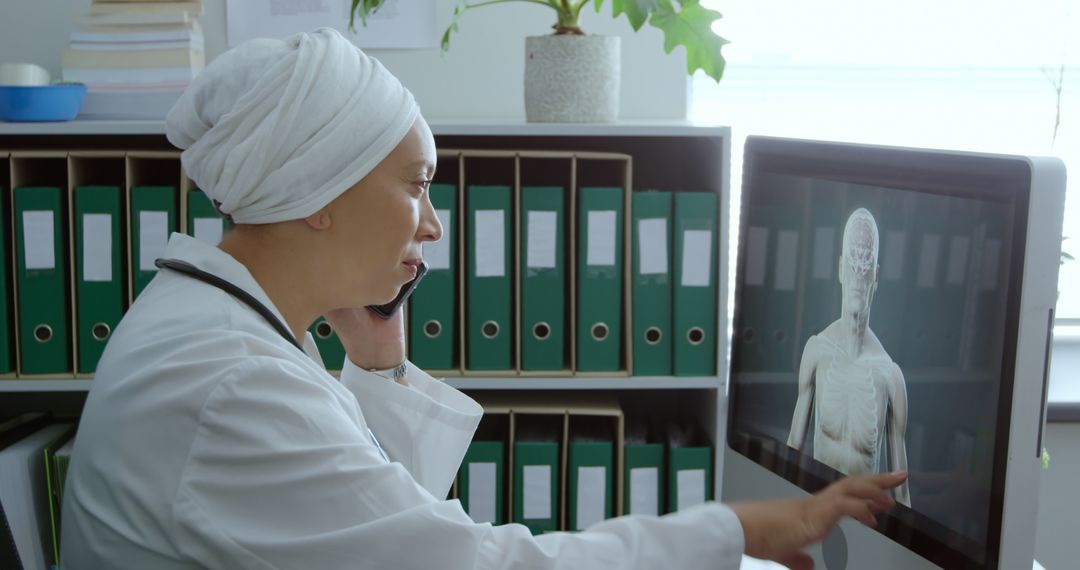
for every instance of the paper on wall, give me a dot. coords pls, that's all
(397, 24)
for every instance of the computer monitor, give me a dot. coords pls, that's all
(893, 310)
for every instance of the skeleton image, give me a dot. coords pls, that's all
(858, 393)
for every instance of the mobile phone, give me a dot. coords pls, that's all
(386, 311)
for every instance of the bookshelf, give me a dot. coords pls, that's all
(669, 156)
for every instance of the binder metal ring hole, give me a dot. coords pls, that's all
(599, 331)
(696, 335)
(323, 330)
(748, 334)
(541, 331)
(43, 333)
(490, 329)
(432, 329)
(100, 331)
(780, 336)
(653, 335)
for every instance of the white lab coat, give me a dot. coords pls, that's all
(208, 440)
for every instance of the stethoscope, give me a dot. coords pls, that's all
(185, 268)
(190, 270)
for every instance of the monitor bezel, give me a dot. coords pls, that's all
(1003, 179)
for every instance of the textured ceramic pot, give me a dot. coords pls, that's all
(572, 79)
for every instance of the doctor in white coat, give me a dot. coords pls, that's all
(213, 437)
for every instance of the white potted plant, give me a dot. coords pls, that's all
(573, 77)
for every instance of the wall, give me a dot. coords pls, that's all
(1065, 365)
(481, 77)
(1056, 544)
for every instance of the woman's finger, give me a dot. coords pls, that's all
(870, 488)
(858, 510)
(890, 480)
(796, 561)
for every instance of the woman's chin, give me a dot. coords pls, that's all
(391, 294)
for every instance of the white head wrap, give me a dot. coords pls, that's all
(274, 130)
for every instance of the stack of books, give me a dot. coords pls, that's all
(136, 57)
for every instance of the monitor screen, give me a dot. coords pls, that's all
(876, 302)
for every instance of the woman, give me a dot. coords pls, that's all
(213, 435)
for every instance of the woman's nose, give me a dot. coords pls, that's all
(430, 228)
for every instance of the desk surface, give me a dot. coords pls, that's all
(755, 564)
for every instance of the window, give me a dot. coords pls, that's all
(984, 75)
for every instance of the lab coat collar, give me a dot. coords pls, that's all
(213, 260)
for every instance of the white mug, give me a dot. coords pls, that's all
(23, 74)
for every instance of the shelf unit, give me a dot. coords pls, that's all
(665, 155)
(463, 383)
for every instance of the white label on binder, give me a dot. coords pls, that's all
(825, 259)
(543, 229)
(696, 258)
(209, 230)
(958, 260)
(437, 254)
(482, 492)
(691, 483)
(991, 262)
(39, 247)
(153, 236)
(537, 492)
(97, 247)
(591, 494)
(757, 247)
(652, 246)
(892, 257)
(490, 254)
(644, 499)
(787, 258)
(928, 261)
(601, 238)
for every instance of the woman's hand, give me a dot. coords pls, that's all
(780, 530)
(370, 342)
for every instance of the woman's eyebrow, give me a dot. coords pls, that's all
(426, 165)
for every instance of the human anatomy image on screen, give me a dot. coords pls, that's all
(848, 383)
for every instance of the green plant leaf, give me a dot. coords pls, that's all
(637, 11)
(363, 8)
(691, 27)
(459, 9)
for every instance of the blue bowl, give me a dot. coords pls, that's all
(59, 102)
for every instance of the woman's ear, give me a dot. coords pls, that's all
(319, 220)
